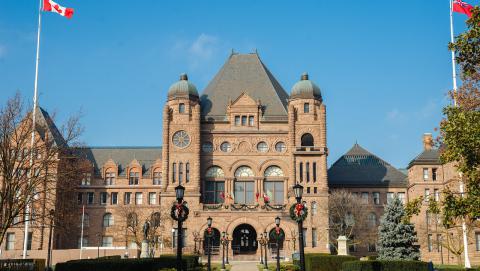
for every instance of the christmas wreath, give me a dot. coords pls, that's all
(277, 234)
(209, 232)
(298, 212)
(179, 212)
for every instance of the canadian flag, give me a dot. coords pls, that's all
(49, 5)
(462, 7)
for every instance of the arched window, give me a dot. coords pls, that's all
(110, 178)
(273, 171)
(307, 140)
(372, 219)
(244, 171)
(107, 220)
(157, 177)
(132, 220)
(133, 178)
(215, 172)
(243, 189)
(214, 189)
(272, 187)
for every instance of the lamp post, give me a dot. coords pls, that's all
(277, 231)
(196, 238)
(227, 242)
(265, 236)
(261, 248)
(223, 249)
(209, 242)
(179, 212)
(49, 254)
(98, 244)
(298, 190)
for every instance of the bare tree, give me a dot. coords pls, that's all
(30, 176)
(133, 219)
(347, 217)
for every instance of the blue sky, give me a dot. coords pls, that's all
(383, 66)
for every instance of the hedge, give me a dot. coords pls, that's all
(455, 268)
(385, 266)
(325, 262)
(190, 262)
(283, 267)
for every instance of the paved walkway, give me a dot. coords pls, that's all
(244, 266)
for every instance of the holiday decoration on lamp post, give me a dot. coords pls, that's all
(299, 212)
(265, 244)
(179, 212)
(224, 243)
(227, 242)
(277, 235)
(209, 235)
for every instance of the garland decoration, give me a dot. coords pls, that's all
(275, 207)
(298, 212)
(213, 206)
(179, 211)
(244, 207)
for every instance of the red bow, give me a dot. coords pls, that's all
(298, 209)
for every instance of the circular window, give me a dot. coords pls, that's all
(226, 147)
(207, 147)
(280, 146)
(181, 139)
(262, 146)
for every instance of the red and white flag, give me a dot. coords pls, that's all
(49, 5)
(462, 7)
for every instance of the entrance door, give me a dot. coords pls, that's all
(244, 240)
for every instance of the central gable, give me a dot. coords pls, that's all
(244, 74)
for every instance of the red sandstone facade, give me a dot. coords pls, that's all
(238, 149)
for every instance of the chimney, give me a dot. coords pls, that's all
(427, 141)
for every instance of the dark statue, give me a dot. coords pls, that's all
(146, 227)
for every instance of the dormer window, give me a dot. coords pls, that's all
(181, 108)
(237, 120)
(306, 108)
(244, 120)
(133, 178)
(251, 121)
(110, 178)
(157, 178)
(87, 177)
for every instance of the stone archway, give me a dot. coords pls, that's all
(244, 239)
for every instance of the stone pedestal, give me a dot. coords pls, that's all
(342, 245)
(144, 253)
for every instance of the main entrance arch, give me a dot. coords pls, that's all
(244, 240)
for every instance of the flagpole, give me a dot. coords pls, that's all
(81, 233)
(454, 65)
(32, 141)
(454, 76)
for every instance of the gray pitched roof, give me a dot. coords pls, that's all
(427, 157)
(122, 156)
(360, 168)
(46, 127)
(244, 73)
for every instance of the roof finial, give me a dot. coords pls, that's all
(183, 77)
(304, 76)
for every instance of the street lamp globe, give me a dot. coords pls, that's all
(209, 221)
(277, 221)
(298, 190)
(179, 192)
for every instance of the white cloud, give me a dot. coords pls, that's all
(204, 46)
(199, 51)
